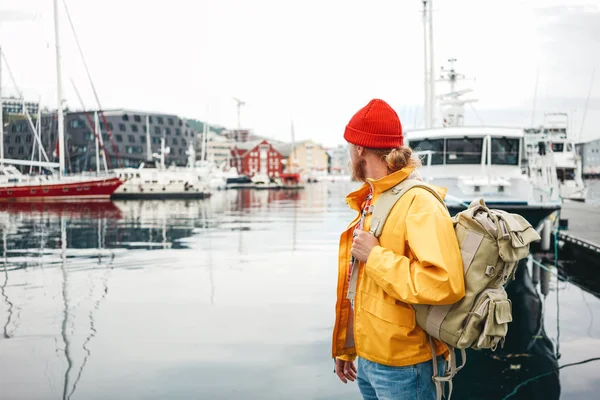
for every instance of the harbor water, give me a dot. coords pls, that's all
(232, 297)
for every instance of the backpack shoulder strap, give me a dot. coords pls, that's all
(387, 200)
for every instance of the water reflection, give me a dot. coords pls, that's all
(527, 353)
(9, 304)
(170, 299)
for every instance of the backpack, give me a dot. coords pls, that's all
(492, 242)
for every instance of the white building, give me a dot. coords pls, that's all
(590, 154)
(340, 158)
(218, 148)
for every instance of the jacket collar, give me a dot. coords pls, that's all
(356, 198)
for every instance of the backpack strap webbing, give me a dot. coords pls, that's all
(389, 198)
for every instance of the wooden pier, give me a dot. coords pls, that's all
(583, 225)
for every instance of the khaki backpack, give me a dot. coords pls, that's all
(492, 242)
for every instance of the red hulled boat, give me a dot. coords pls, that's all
(15, 186)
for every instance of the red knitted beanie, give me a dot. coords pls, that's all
(375, 126)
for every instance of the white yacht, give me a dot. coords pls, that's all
(479, 161)
(552, 138)
(161, 182)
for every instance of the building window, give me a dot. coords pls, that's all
(155, 140)
(171, 121)
(157, 130)
(28, 139)
(21, 149)
(180, 123)
(133, 149)
(134, 127)
(76, 123)
(137, 118)
(87, 135)
(17, 139)
(122, 127)
(150, 119)
(185, 133)
(184, 142)
(167, 131)
(180, 151)
(11, 150)
(174, 140)
(177, 131)
(119, 138)
(143, 139)
(161, 120)
(131, 138)
(144, 128)
(125, 117)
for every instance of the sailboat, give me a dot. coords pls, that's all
(16, 186)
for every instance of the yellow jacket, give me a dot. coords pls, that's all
(418, 262)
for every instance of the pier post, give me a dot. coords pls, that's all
(546, 234)
(545, 282)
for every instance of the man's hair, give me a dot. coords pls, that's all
(397, 158)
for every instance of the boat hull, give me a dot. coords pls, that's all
(535, 214)
(76, 190)
(160, 195)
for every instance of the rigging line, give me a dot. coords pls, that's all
(89, 75)
(526, 382)
(587, 305)
(89, 118)
(12, 77)
(587, 102)
(557, 287)
(476, 114)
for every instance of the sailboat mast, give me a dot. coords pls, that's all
(97, 140)
(432, 109)
(148, 143)
(426, 114)
(293, 152)
(203, 148)
(59, 110)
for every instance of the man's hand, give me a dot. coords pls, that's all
(346, 370)
(362, 245)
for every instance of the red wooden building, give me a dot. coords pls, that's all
(257, 158)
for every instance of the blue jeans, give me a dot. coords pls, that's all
(413, 382)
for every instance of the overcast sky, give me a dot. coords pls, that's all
(313, 61)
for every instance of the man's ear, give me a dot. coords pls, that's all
(360, 150)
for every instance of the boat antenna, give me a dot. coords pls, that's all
(535, 90)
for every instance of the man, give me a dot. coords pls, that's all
(416, 260)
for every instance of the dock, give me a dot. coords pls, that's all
(583, 228)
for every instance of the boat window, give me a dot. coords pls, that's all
(505, 151)
(464, 151)
(565, 174)
(436, 146)
(558, 147)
